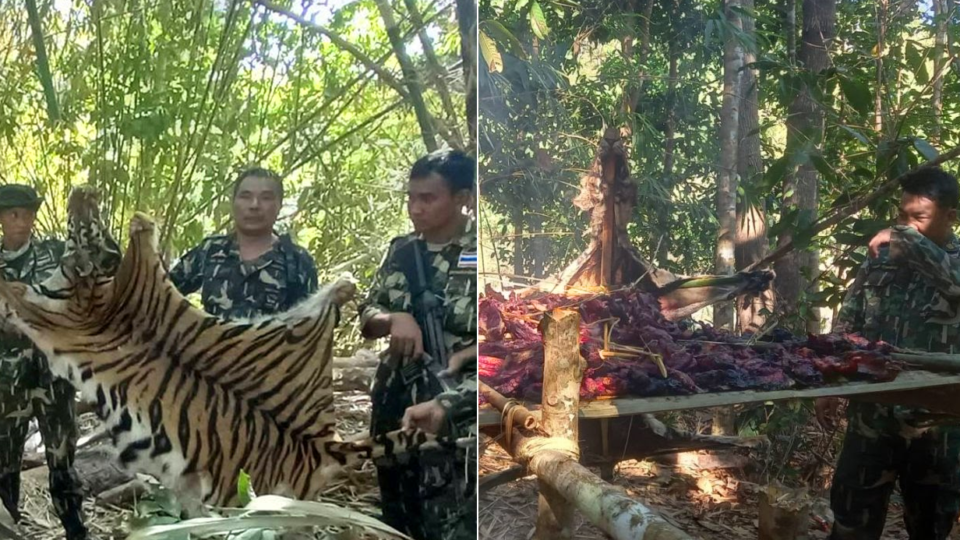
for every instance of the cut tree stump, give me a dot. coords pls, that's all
(784, 513)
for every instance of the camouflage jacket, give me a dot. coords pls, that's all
(231, 288)
(461, 407)
(908, 296)
(33, 263)
(454, 281)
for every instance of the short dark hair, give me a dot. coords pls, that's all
(259, 172)
(933, 183)
(455, 166)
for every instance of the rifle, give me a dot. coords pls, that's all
(427, 310)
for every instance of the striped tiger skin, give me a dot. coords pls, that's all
(188, 398)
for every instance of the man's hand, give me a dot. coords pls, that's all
(458, 360)
(428, 416)
(882, 238)
(826, 410)
(406, 339)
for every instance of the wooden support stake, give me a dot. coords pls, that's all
(784, 513)
(562, 372)
(609, 232)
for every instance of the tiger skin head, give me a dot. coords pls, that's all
(186, 397)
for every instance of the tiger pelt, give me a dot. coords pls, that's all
(188, 398)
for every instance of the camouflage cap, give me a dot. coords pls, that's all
(19, 196)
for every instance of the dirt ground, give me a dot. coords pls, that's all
(719, 504)
(357, 490)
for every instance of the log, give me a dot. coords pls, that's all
(562, 372)
(606, 506)
(784, 513)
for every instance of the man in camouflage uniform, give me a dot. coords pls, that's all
(27, 387)
(252, 271)
(907, 294)
(433, 496)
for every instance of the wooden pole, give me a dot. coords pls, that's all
(521, 413)
(609, 231)
(562, 371)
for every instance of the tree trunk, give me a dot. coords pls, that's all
(790, 22)
(635, 91)
(941, 11)
(467, 21)
(410, 76)
(538, 242)
(518, 242)
(727, 175)
(882, 6)
(43, 66)
(626, 49)
(724, 419)
(751, 215)
(438, 73)
(669, 146)
(562, 373)
(804, 134)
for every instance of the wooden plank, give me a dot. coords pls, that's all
(910, 380)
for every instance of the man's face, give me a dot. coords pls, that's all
(256, 205)
(431, 204)
(17, 225)
(926, 216)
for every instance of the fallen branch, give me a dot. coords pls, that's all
(837, 215)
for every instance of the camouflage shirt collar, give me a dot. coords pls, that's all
(9, 256)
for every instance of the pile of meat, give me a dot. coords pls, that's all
(697, 358)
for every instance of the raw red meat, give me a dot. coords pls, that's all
(697, 359)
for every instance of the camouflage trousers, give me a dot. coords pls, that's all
(429, 495)
(885, 444)
(54, 407)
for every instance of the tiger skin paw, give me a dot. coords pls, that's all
(141, 223)
(343, 290)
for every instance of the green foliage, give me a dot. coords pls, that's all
(163, 102)
(542, 115)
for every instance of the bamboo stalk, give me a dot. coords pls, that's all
(504, 405)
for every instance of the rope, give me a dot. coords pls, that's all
(533, 446)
